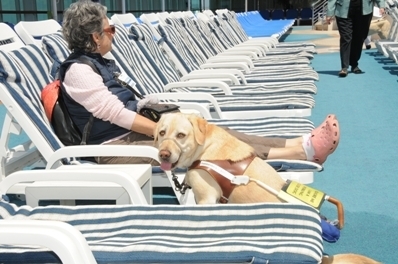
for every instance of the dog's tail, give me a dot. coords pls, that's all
(348, 259)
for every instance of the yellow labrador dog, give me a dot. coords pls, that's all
(185, 140)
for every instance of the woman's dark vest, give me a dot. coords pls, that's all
(101, 131)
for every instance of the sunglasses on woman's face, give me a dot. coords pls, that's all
(110, 30)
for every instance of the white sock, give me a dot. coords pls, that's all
(368, 40)
(307, 146)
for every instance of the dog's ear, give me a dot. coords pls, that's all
(156, 133)
(199, 128)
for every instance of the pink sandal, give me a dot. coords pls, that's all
(325, 139)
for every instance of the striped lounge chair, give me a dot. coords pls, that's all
(26, 71)
(191, 56)
(210, 42)
(228, 34)
(141, 34)
(250, 233)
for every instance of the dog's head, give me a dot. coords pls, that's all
(178, 137)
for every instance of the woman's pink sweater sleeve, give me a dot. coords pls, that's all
(88, 89)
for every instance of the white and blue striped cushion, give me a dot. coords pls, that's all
(35, 64)
(26, 92)
(186, 40)
(142, 36)
(247, 233)
(192, 57)
(125, 51)
(226, 38)
(226, 34)
(234, 24)
(195, 34)
(55, 46)
(150, 79)
(207, 32)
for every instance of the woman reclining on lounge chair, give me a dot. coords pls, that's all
(88, 34)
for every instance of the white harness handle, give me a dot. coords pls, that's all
(237, 180)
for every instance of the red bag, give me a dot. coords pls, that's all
(57, 113)
(49, 97)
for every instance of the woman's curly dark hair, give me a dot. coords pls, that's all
(82, 19)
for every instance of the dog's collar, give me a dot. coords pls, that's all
(235, 168)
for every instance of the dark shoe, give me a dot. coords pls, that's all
(343, 72)
(357, 70)
(368, 47)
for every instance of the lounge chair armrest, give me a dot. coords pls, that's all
(264, 48)
(83, 174)
(82, 151)
(256, 50)
(294, 165)
(202, 108)
(245, 59)
(237, 73)
(194, 97)
(272, 39)
(211, 75)
(236, 52)
(200, 83)
(270, 42)
(236, 65)
(61, 238)
(105, 151)
(190, 107)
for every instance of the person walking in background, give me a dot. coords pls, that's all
(353, 19)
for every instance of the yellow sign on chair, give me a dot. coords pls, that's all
(308, 195)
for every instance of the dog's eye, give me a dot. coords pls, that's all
(161, 133)
(180, 135)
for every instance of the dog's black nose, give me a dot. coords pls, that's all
(164, 154)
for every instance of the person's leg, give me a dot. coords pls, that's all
(315, 146)
(261, 145)
(272, 148)
(130, 139)
(357, 38)
(289, 153)
(366, 20)
(345, 30)
(360, 24)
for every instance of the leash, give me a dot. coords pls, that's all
(179, 187)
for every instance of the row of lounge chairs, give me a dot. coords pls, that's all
(246, 100)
